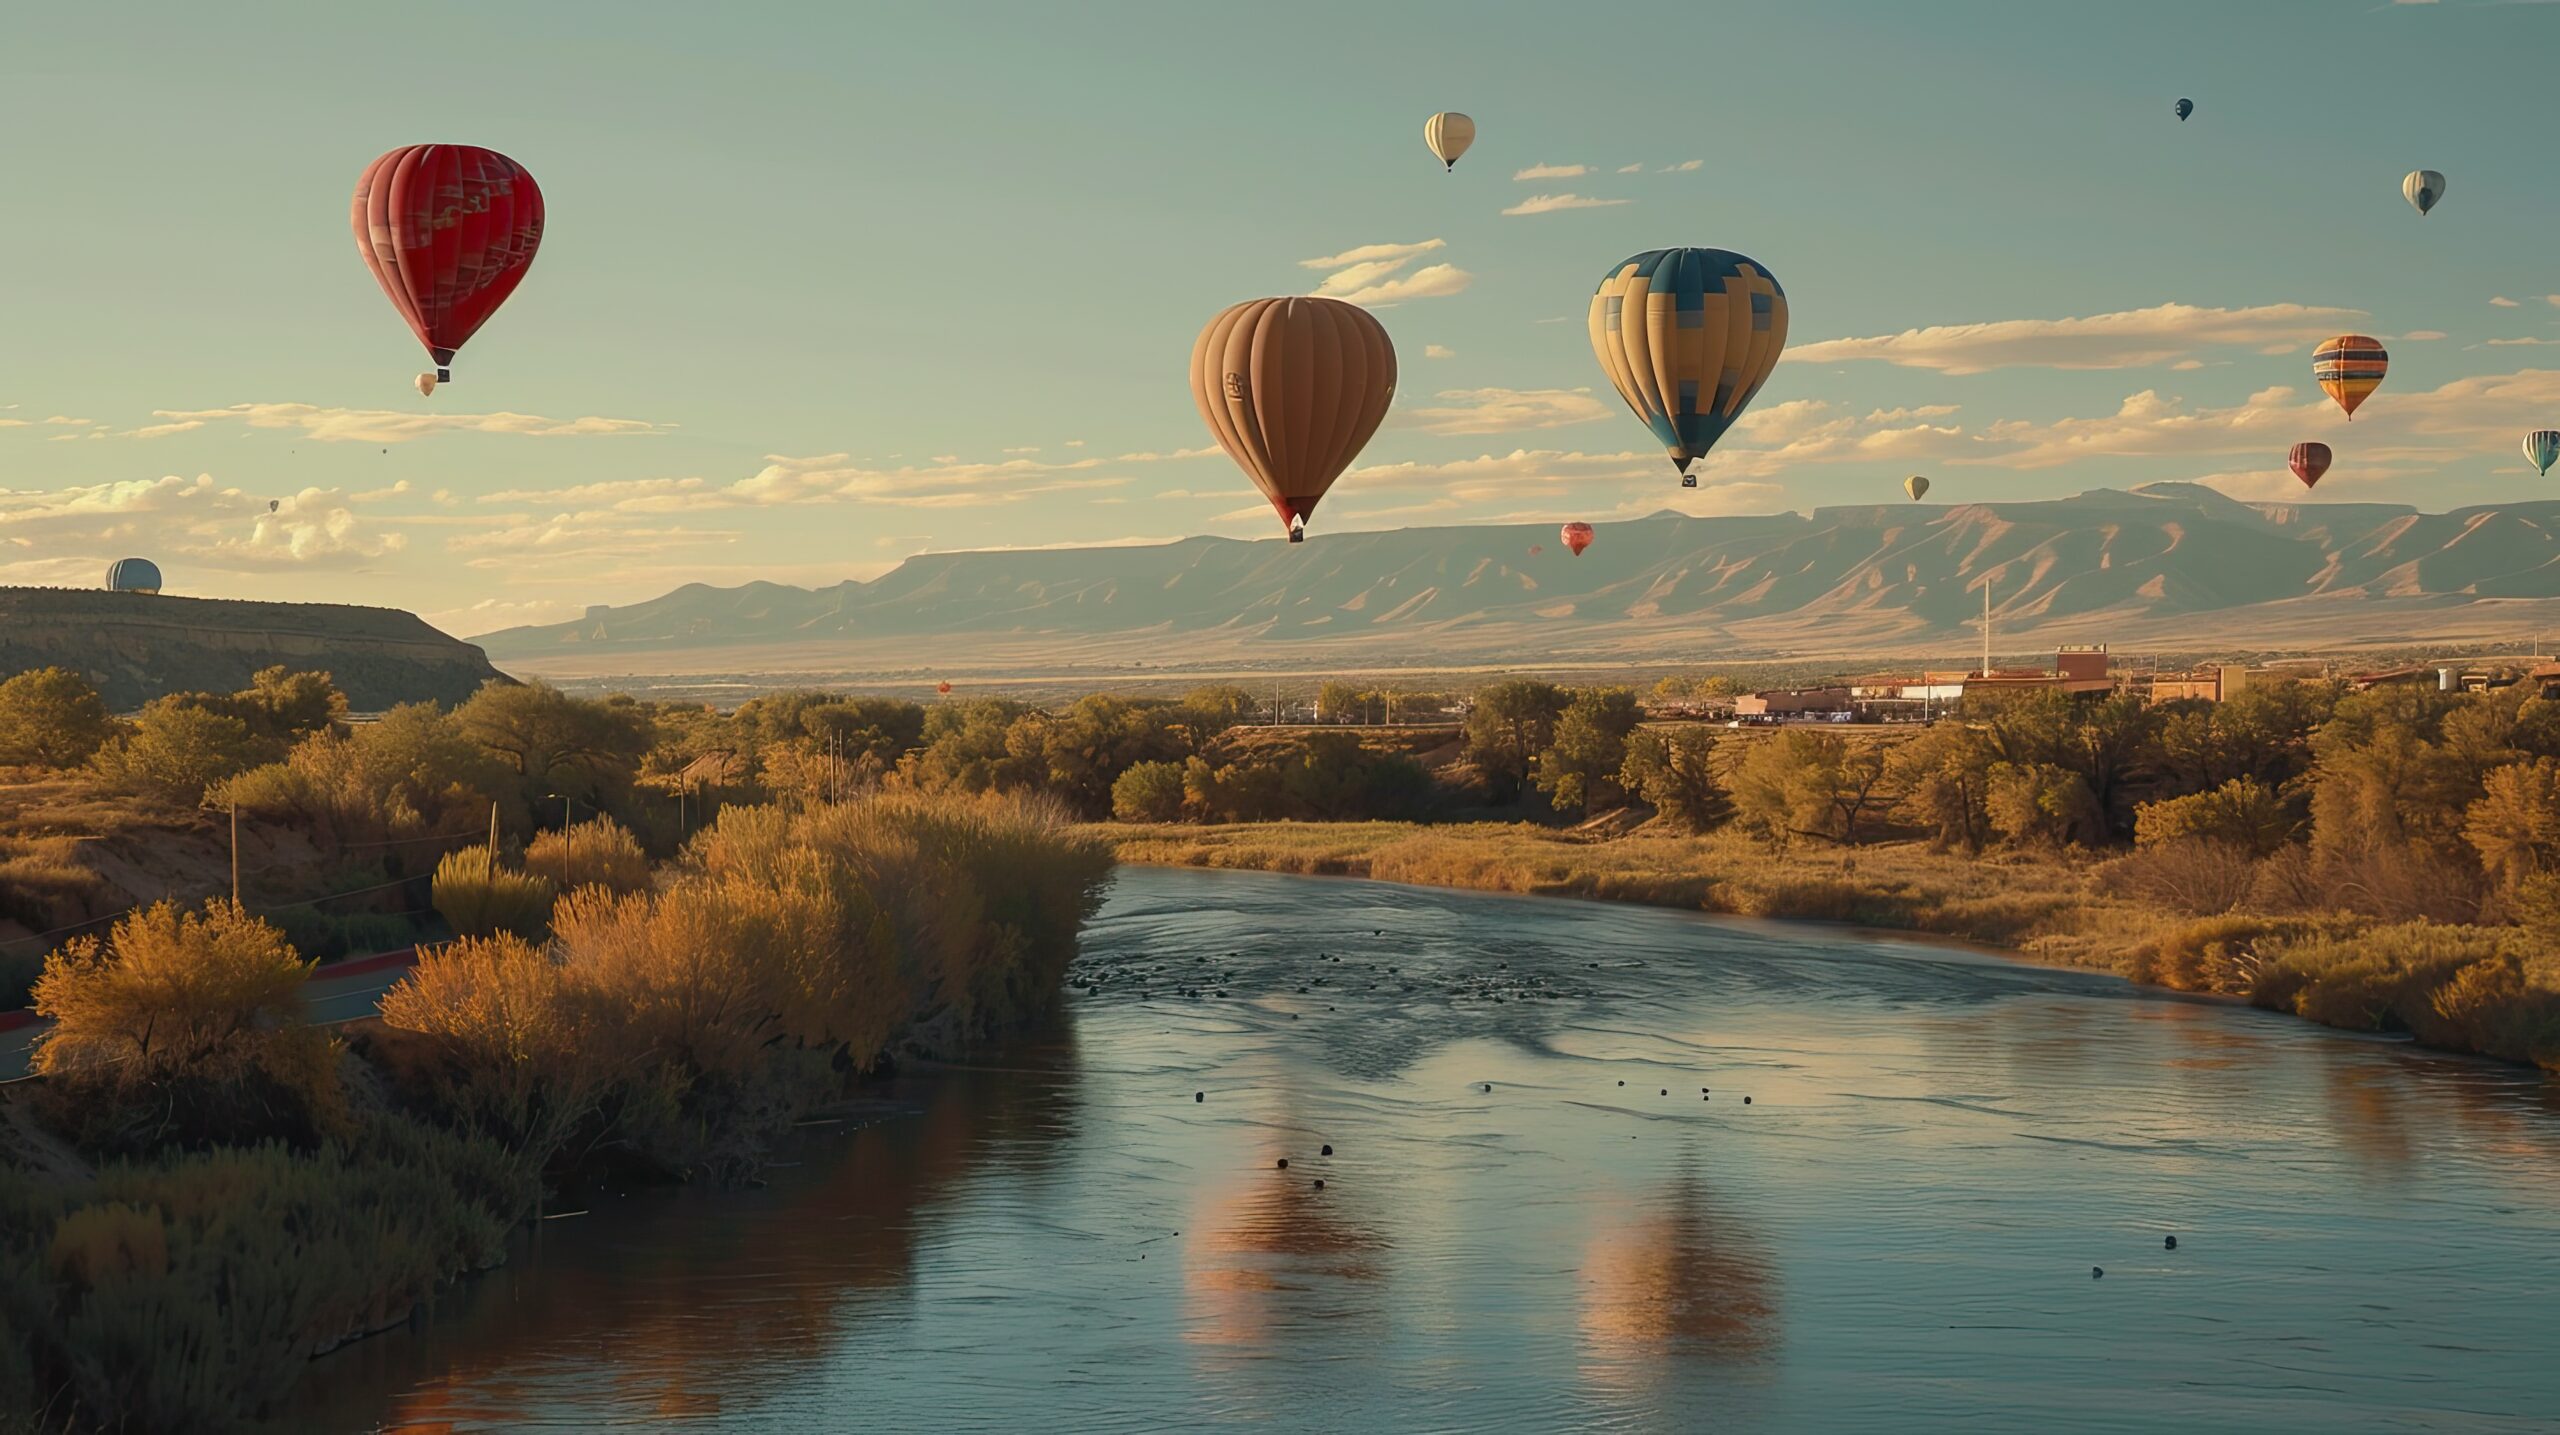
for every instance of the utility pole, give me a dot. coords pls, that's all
(1986, 627)
(493, 834)
(235, 856)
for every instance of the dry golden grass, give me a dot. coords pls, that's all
(2037, 906)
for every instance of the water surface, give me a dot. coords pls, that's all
(1549, 1206)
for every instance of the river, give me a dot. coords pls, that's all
(1594, 1168)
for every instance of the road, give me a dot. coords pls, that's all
(340, 991)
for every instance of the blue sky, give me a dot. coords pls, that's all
(825, 286)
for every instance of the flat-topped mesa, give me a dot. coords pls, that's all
(136, 646)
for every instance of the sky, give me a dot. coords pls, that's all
(827, 285)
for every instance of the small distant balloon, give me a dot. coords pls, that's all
(1916, 486)
(2308, 461)
(943, 687)
(426, 383)
(1576, 536)
(272, 505)
(2424, 189)
(1448, 133)
(2349, 368)
(1537, 548)
(2184, 108)
(2542, 449)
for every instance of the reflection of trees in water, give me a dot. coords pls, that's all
(1676, 1276)
(672, 1304)
(1268, 1254)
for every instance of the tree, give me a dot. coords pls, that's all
(2041, 804)
(2515, 823)
(1673, 769)
(176, 751)
(1812, 784)
(51, 717)
(2243, 813)
(557, 744)
(1945, 774)
(1338, 701)
(1580, 764)
(1510, 724)
(168, 994)
(1148, 792)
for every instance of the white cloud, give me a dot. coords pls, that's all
(385, 426)
(1686, 166)
(315, 527)
(219, 527)
(1490, 411)
(376, 495)
(66, 421)
(2124, 340)
(1373, 253)
(2552, 299)
(586, 535)
(2421, 335)
(1374, 274)
(1636, 168)
(1554, 203)
(1553, 171)
(1035, 448)
(2503, 302)
(2523, 343)
(1438, 351)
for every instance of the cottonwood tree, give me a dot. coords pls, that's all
(1509, 725)
(1673, 768)
(1579, 767)
(51, 717)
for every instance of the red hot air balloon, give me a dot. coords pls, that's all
(2308, 461)
(448, 231)
(943, 687)
(1537, 548)
(1576, 536)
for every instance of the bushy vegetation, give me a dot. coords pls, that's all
(479, 896)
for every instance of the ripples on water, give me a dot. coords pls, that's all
(1896, 1234)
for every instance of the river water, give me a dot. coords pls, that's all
(1594, 1168)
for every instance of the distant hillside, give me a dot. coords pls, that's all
(136, 646)
(2166, 564)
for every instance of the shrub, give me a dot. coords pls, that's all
(2040, 804)
(1148, 792)
(507, 1041)
(2218, 954)
(176, 751)
(479, 897)
(2379, 979)
(1674, 770)
(2198, 875)
(2242, 814)
(51, 717)
(183, 1026)
(595, 853)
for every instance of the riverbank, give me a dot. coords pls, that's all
(202, 1190)
(2484, 991)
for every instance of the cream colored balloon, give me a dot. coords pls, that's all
(1448, 134)
(426, 383)
(1916, 486)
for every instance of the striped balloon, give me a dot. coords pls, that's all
(2349, 367)
(2423, 188)
(2308, 461)
(1448, 134)
(1292, 389)
(1687, 336)
(2542, 449)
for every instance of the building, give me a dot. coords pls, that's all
(2214, 683)
(1787, 702)
(2079, 669)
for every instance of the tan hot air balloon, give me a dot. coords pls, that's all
(1448, 134)
(1292, 389)
(1916, 486)
(426, 383)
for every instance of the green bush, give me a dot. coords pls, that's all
(51, 718)
(1148, 792)
(479, 897)
(596, 853)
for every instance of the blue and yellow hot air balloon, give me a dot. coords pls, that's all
(2349, 368)
(2542, 449)
(1688, 336)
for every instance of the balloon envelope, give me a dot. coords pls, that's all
(1576, 536)
(426, 383)
(2308, 461)
(1292, 389)
(2423, 189)
(1448, 133)
(2184, 108)
(448, 231)
(943, 687)
(2542, 449)
(1916, 486)
(1537, 548)
(1687, 336)
(2349, 368)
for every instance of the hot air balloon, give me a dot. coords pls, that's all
(273, 504)
(1537, 548)
(2542, 449)
(133, 575)
(1688, 336)
(1292, 388)
(2349, 367)
(2308, 461)
(1916, 486)
(943, 687)
(2184, 108)
(1576, 536)
(1448, 133)
(2424, 188)
(426, 383)
(448, 231)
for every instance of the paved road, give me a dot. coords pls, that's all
(340, 991)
